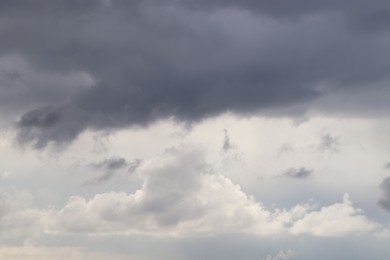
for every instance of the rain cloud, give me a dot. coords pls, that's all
(144, 61)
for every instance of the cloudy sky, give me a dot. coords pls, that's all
(195, 129)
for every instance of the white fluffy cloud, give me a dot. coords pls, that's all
(181, 195)
(336, 220)
(19, 221)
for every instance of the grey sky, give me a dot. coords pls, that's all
(297, 88)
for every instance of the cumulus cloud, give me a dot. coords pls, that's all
(19, 220)
(336, 220)
(179, 197)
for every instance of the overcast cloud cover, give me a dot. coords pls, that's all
(194, 129)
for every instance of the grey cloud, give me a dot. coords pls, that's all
(329, 143)
(133, 165)
(384, 202)
(362, 12)
(387, 165)
(153, 60)
(167, 197)
(298, 173)
(44, 125)
(272, 8)
(23, 87)
(227, 145)
(171, 200)
(231, 153)
(180, 197)
(105, 177)
(112, 164)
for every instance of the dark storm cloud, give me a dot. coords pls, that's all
(23, 87)
(188, 60)
(365, 13)
(298, 173)
(45, 124)
(384, 202)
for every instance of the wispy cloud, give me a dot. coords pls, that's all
(298, 173)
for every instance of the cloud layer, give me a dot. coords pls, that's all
(187, 60)
(239, 113)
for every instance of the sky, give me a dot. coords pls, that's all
(194, 129)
